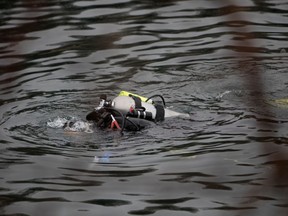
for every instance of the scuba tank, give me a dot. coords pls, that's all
(144, 108)
(139, 107)
(129, 105)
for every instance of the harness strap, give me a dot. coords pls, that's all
(104, 118)
(160, 112)
(137, 100)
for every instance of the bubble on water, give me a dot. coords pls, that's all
(70, 124)
(58, 122)
(78, 126)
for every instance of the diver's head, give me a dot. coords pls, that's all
(95, 115)
(101, 117)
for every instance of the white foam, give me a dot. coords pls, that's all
(58, 122)
(79, 126)
(75, 126)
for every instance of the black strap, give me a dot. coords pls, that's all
(160, 96)
(160, 112)
(105, 119)
(138, 102)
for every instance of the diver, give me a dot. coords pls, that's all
(130, 112)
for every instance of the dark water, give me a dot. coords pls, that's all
(57, 56)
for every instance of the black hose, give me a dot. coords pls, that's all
(157, 95)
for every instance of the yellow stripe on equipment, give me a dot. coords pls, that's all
(125, 93)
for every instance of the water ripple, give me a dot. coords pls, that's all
(57, 57)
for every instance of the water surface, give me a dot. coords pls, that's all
(57, 57)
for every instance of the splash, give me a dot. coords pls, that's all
(70, 124)
(220, 96)
(58, 122)
(78, 126)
